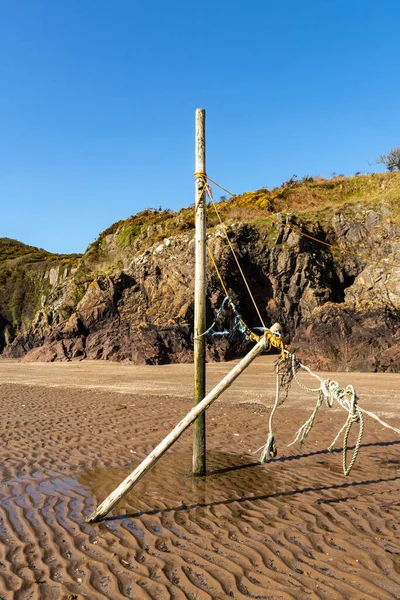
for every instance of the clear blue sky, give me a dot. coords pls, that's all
(97, 102)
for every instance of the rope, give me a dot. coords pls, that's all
(358, 417)
(220, 186)
(333, 388)
(241, 325)
(272, 338)
(295, 363)
(339, 433)
(328, 389)
(332, 246)
(346, 398)
(217, 316)
(270, 450)
(217, 270)
(314, 239)
(238, 324)
(209, 192)
(201, 182)
(305, 429)
(374, 416)
(331, 392)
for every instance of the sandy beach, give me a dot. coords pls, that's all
(296, 528)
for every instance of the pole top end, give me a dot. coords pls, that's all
(276, 328)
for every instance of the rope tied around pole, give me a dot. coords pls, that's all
(201, 184)
(272, 338)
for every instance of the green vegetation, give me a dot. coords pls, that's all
(11, 249)
(315, 199)
(79, 292)
(22, 279)
(130, 229)
(312, 201)
(315, 193)
(15, 308)
(127, 235)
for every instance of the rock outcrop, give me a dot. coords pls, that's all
(130, 296)
(362, 336)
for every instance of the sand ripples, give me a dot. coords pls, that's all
(293, 529)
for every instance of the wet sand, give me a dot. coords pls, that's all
(295, 528)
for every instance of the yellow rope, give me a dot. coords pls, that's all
(271, 338)
(217, 270)
(339, 248)
(203, 176)
(253, 336)
(235, 257)
(206, 189)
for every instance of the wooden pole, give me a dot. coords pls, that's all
(199, 427)
(167, 442)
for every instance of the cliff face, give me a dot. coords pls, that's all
(27, 277)
(130, 296)
(363, 331)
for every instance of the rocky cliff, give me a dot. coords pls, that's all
(130, 296)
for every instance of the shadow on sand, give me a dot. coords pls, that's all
(305, 490)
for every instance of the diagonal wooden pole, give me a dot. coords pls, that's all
(171, 438)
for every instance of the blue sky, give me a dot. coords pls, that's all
(97, 102)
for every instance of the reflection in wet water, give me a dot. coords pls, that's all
(170, 482)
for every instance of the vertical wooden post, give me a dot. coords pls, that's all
(199, 427)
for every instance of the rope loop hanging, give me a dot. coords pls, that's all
(355, 418)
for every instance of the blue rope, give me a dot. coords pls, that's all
(237, 323)
(267, 329)
(217, 316)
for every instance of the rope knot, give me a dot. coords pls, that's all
(333, 385)
(269, 450)
(200, 179)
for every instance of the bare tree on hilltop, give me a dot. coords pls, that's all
(391, 159)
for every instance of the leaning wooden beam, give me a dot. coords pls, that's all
(109, 503)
